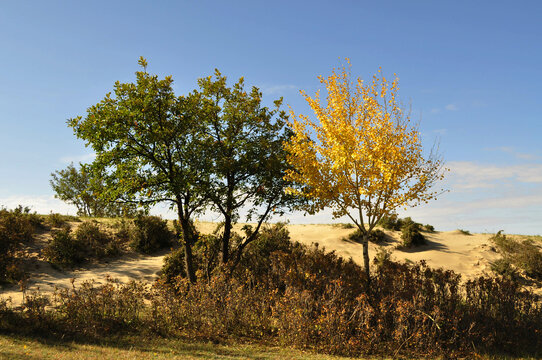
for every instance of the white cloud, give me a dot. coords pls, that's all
(451, 107)
(441, 131)
(510, 150)
(78, 158)
(277, 89)
(470, 175)
(42, 204)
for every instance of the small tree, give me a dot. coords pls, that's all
(147, 144)
(363, 158)
(247, 159)
(78, 187)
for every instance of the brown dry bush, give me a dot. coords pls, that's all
(311, 298)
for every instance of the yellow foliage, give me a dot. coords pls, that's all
(362, 154)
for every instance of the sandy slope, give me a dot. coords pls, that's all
(469, 255)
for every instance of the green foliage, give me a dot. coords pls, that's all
(344, 225)
(64, 250)
(150, 234)
(149, 145)
(464, 232)
(504, 268)
(89, 241)
(257, 256)
(97, 242)
(429, 228)
(382, 259)
(411, 235)
(82, 188)
(123, 230)
(173, 266)
(376, 236)
(17, 226)
(244, 146)
(391, 222)
(56, 220)
(524, 255)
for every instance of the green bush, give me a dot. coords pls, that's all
(173, 266)
(17, 226)
(382, 258)
(64, 250)
(391, 222)
(344, 225)
(97, 242)
(429, 228)
(411, 235)
(504, 268)
(150, 234)
(124, 230)
(529, 258)
(376, 236)
(271, 239)
(524, 255)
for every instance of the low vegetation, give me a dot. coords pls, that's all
(91, 240)
(149, 234)
(17, 227)
(523, 255)
(376, 236)
(284, 293)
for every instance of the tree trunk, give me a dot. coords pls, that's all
(188, 259)
(226, 240)
(366, 257)
(188, 236)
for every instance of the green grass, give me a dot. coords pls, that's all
(138, 347)
(15, 347)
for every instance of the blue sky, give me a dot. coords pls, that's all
(471, 71)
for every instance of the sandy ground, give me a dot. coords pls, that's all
(469, 255)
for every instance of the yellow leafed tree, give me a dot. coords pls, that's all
(363, 157)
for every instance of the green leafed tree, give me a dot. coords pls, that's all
(244, 144)
(148, 146)
(78, 186)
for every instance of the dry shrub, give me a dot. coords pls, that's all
(99, 310)
(312, 298)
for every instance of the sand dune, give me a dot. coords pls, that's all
(469, 255)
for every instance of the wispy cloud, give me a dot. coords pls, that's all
(451, 107)
(511, 151)
(440, 131)
(471, 175)
(78, 158)
(278, 89)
